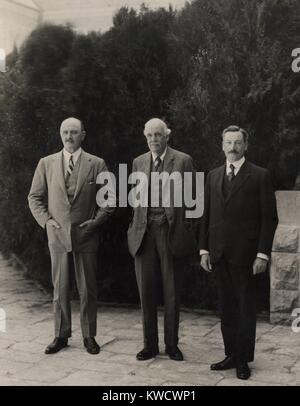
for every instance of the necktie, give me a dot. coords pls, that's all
(71, 166)
(231, 174)
(157, 162)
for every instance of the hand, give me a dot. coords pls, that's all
(259, 266)
(205, 262)
(89, 225)
(53, 223)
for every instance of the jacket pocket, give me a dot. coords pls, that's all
(51, 233)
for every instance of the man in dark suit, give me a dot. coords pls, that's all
(158, 237)
(62, 199)
(236, 236)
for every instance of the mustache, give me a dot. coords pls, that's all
(69, 140)
(233, 152)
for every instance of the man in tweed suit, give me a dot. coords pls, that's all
(158, 238)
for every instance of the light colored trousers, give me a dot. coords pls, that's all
(85, 266)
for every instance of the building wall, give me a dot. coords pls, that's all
(19, 17)
(16, 22)
(93, 15)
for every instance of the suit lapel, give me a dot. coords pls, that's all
(169, 160)
(84, 170)
(145, 166)
(147, 162)
(240, 179)
(219, 181)
(59, 172)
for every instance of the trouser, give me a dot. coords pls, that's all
(154, 257)
(85, 266)
(237, 307)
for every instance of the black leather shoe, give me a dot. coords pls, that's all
(147, 353)
(91, 345)
(227, 363)
(174, 353)
(56, 345)
(243, 371)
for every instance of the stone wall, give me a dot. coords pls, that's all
(285, 266)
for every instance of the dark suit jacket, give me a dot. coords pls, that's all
(182, 237)
(48, 199)
(244, 224)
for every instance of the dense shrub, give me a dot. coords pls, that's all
(214, 63)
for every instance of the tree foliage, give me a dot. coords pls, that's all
(212, 64)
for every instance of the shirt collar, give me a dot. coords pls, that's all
(162, 156)
(75, 155)
(237, 165)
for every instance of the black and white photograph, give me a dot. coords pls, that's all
(149, 196)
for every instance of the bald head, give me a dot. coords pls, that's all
(71, 121)
(72, 134)
(157, 134)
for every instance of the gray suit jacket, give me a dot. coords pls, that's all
(48, 199)
(182, 232)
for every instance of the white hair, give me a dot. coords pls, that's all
(157, 122)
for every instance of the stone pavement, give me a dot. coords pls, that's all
(29, 329)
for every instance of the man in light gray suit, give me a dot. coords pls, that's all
(159, 237)
(62, 199)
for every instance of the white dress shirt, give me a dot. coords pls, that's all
(162, 156)
(237, 166)
(155, 191)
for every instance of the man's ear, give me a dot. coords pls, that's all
(168, 134)
(83, 133)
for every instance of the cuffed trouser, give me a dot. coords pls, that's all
(85, 266)
(154, 257)
(238, 309)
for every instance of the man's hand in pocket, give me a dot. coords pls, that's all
(89, 225)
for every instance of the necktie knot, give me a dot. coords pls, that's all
(157, 162)
(231, 174)
(71, 166)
